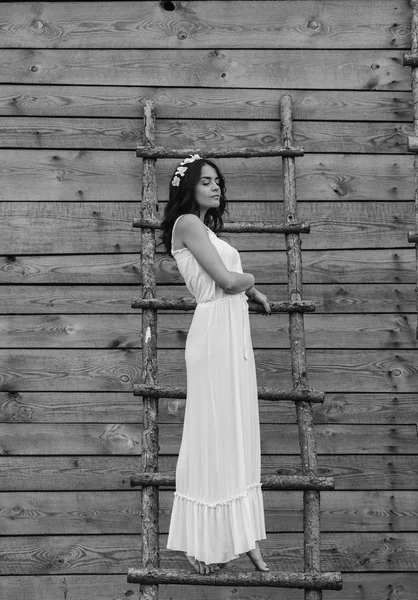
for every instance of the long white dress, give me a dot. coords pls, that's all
(218, 510)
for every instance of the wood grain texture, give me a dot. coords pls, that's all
(394, 371)
(118, 438)
(100, 133)
(74, 78)
(124, 407)
(390, 331)
(69, 175)
(328, 266)
(358, 552)
(69, 513)
(104, 227)
(287, 24)
(115, 587)
(112, 472)
(85, 331)
(108, 299)
(65, 175)
(194, 103)
(299, 69)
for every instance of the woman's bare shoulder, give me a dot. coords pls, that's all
(188, 221)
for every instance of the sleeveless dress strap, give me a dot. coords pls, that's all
(172, 236)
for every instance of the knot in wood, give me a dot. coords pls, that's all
(37, 24)
(182, 35)
(166, 5)
(313, 24)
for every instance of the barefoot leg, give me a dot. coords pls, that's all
(192, 561)
(257, 559)
(200, 566)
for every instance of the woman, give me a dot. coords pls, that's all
(218, 508)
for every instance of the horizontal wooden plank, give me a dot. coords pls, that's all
(83, 175)
(83, 331)
(68, 513)
(112, 472)
(328, 266)
(117, 370)
(195, 103)
(281, 551)
(114, 587)
(104, 299)
(299, 69)
(100, 133)
(66, 227)
(390, 331)
(302, 24)
(113, 407)
(121, 438)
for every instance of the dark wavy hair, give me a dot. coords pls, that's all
(182, 201)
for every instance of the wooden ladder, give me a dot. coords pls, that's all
(150, 575)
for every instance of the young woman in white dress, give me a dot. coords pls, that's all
(218, 508)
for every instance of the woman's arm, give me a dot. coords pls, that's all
(254, 294)
(192, 233)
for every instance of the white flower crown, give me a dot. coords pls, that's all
(181, 169)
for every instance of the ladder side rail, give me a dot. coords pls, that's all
(412, 60)
(311, 498)
(149, 494)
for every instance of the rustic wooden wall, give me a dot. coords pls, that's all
(74, 76)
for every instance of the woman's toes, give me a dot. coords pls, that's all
(201, 567)
(192, 561)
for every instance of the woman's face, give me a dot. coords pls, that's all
(207, 192)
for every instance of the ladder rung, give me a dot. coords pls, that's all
(318, 581)
(175, 303)
(413, 236)
(412, 143)
(271, 482)
(246, 152)
(410, 59)
(264, 393)
(240, 226)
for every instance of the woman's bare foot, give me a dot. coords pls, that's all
(257, 559)
(200, 566)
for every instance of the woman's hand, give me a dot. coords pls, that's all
(257, 296)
